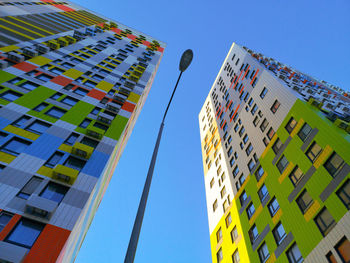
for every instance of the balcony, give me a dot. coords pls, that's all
(12, 253)
(104, 118)
(65, 174)
(95, 132)
(71, 40)
(62, 41)
(82, 150)
(53, 44)
(40, 206)
(113, 106)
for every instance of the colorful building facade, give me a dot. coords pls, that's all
(276, 158)
(72, 84)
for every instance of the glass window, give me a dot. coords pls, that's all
(264, 125)
(273, 206)
(54, 159)
(245, 138)
(95, 111)
(89, 142)
(235, 257)
(251, 165)
(344, 194)
(69, 101)
(291, 125)
(253, 233)
(15, 146)
(243, 197)
(85, 123)
(304, 201)
(249, 149)
(254, 109)
(4, 219)
(235, 171)
(219, 256)
(270, 133)
(55, 112)
(275, 106)
(25, 233)
(10, 95)
(81, 91)
(241, 131)
(75, 163)
(228, 220)
(343, 249)
(263, 253)
(101, 126)
(330, 257)
(219, 235)
(43, 77)
(71, 139)
(250, 210)
(56, 96)
(29, 85)
(282, 164)
(263, 192)
(223, 192)
(296, 175)
(259, 173)
(279, 233)
(41, 106)
(263, 93)
(304, 132)
(38, 127)
(334, 164)
(313, 152)
(21, 121)
(294, 255)
(277, 146)
(242, 179)
(234, 234)
(30, 187)
(54, 192)
(229, 152)
(59, 71)
(324, 221)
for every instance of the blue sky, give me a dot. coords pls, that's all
(313, 36)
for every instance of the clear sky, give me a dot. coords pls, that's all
(313, 36)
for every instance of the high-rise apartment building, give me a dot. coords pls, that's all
(72, 84)
(276, 157)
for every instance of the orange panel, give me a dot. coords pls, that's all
(128, 106)
(130, 36)
(97, 94)
(7, 229)
(25, 66)
(48, 246)
(115, 30)
(61, 80)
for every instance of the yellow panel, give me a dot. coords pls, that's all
(26, 134)
(133, 97)
(255, 215)
(286, 172)
(73, 73)
(271, 259)
(277, 216)
(40, 60)
(312, 211)
(46, 171)
(6, 158)
(321, 158)
(65, 148)
(9, 48)
(104, 85)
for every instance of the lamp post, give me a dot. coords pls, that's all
(185, 61)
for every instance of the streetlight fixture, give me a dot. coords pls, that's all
(185, 61)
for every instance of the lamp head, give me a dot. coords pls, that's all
(186, 60)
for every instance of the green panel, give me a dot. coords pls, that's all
(4, 76)
(117, 127)
(35, 97)
(75, 116)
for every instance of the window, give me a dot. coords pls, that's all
(4, 219)
(30, 187)
(263, 93)
(232, 161)
(234, 234)
(250, 210)
(223, 192)
(245, 138)
(75, 163)
(242, 179)
(25, 233)
(273, 206)
(253, 233)
(324, 221)
(313, 152)
(21, 121)
(259, 173)
(334, 164)
(330, 257)
(69, 101)
(10, 95)
(343, 249)
(249, 149)
(41, 106)
(215, 205)
(291, 125)
(29, 85)
(344, 194)
(296, 175)
(242, 130)
(243, 197)
(270, 133)
(85, 123)
(263, 192)
(225, 205)
(43, 77)
(15, 146)
(89, 142)
(56, 96)
(282, 164)
(219, 235)
(304, 201)
(251, 165)
(54, 159)
(71, 139)
(55, 112)
(81, 91)
(219, 256)
(235, 257)
(38, 127)
(228, 220)
(54, 192)
(95, 111)
(264, 125)
(235, 171)
(304, 132)
(59, 71)
(212, 183)
(263, 253)
(265, 141)
(279, 233)
(275, 106)
(254, 109)
(294, 255)
(277, 146)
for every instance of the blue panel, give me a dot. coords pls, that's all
(4, 122)
(96, 164)
(44, 146)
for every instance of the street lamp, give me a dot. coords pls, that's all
(185, 61)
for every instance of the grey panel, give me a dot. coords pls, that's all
(104, 148)
(245, 204)
(145, 76)
(266, 200)
(12, 253)
(17, 203)
(309, 139)
(14, 177)
(280, 152)
(76, 198)
(333, 185)
(59, 104)
(261, 237)
(123, 67)
(58, 131)
(301, 184)
(285, 243)
(9, 114)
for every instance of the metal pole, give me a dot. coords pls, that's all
(130, 254)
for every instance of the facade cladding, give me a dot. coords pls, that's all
(72, 84)
(275, 147)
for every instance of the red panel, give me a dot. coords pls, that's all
(234, 114)
(25, 66)
(64, 7)
(97, 94)
(60, 80)
(146, 43)
(223, 124)
(7, 229)
(132, 37)
(228, 105)
(256, 73)
(246, 72)
(116, 30)
(47, 1)
(48, 245)
(161, 49)
(128, 106)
